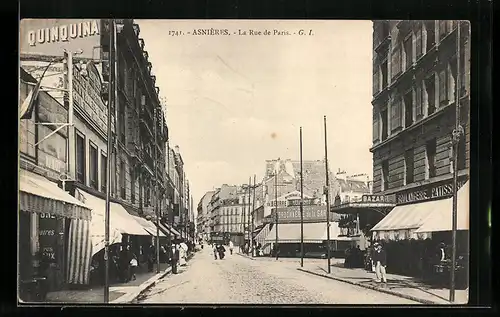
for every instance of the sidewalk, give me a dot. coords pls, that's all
(398, 285)
(118, 293)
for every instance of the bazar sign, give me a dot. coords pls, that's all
(430, 192)
(377, 199)
(63, 33)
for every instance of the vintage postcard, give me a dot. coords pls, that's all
(244, 161)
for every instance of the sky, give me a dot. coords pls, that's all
(235, 101)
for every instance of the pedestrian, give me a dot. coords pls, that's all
(174, 258)
(221, 251)
(380, 260)
(151, 257)
(231, 246)
(133, 266)
(214, 248)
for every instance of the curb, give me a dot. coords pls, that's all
(128, 298)
(410, 297)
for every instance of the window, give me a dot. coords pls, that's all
(376, 127)
(93, 166)
(385, 175)
(383, 69)
(430, 91)
(443, 88)
(104, 171)
(376, 81)
(419, 45)
(462, 154)
(430, 151)
(444, 28)
(121, 118)
(409, 165)
(408, 100)
(396, 62)
(122, 180)
(418, 101)
(431, 37)
(132, 185)
(383, 117)
(408, 49)
(396, 114)
(80, 157)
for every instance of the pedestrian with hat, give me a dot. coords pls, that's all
(380, 260)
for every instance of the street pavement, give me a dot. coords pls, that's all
(240, 280)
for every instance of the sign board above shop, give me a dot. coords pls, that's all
(52, 36)
(378, 198)
(438, 190)
(292, 214)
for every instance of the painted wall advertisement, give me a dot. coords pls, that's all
(310, 214)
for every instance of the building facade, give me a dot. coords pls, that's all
(415, 96)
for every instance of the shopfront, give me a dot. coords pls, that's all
(413, 230)
(54, 236)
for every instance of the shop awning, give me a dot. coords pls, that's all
(313, 233)
(382, 208)
(168, 227)
(120, 221)
(440, 220)
(40, 195)
(148, 226)
(403, 221)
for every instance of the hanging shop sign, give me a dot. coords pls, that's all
(428, 192)
(51, 36)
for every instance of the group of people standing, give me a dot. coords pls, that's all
(219, 250)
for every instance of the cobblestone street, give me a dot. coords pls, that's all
(237, 280)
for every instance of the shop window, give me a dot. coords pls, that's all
(104, 171)
(408, 51)
(430, 91)
(80, 157)
(431, 35)
(385, 175)
(430, 151)
(93, 166)
(409, 166)
(408, 100)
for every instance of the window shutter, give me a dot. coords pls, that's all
(443, 98)
(418, 101)
(398, 113)
(395, 63)
(419, 46)
(375, 127)
(376, 81)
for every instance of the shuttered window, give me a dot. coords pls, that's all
(396, 114)
(376, 81)
(396, 62)
(443, 87)
(376, 126)
(418, 101)
(418, 42)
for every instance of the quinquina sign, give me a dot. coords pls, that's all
(427, 192)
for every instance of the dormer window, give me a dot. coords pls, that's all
(141, 44)
(137, 29)
(150, 66)
(146, 55)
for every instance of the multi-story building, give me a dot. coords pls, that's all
(416, 89)
(203, 217)
(139, 130)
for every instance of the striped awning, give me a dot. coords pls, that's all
(313, 233)
(148, 226)
(170, 229)
(441, 219)
(403, 221)
(40, 195)
(79, 252)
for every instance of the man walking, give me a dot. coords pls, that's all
(174, 257)
(380, 260)
(214, 248)
(231, 246)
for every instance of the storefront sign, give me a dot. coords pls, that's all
(48, 236)
(87, 97)
(432, 191)
(306, 202)
(63, 33)
(378, 198)
(310, 214)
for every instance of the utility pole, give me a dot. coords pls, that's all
(301, 206)
(276, 210)
(247, 220)
(111, 100)
(327, 192)
(155, 121)
(244, 215)
(456, 135)
(253, 214)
